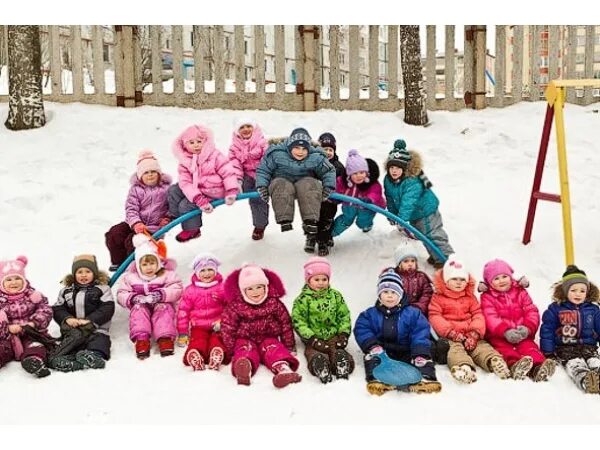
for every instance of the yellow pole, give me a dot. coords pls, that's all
(565, 198)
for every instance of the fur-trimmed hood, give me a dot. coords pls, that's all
(415, 165)
(103, 278)
(559, 297)
(232, 290)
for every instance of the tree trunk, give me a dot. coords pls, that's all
(26, 104)
(415, 112)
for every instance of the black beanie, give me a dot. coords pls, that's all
(327, 140)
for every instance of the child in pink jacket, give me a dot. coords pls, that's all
(150, 290)
(199, 315)
(512, 319)
(205, 174)
(248, 146)
(146, 208)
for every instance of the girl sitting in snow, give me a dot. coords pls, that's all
(150, 290)
(83, 311)
(511, 319)
(146, 208)
(455, 314)
(570, 329)
(256, 327)
(322, 320)
(22, 308)
(199, 315)
(205, 174)
(360, 182)
(248, 146)
(409, 196)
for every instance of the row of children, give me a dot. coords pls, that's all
(290, 169)
(242, 319)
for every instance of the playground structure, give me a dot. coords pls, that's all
(249, 195)
(555, 96)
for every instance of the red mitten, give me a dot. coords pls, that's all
(456, 336)
(139, 228)
(471, 341)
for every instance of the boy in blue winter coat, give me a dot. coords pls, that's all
(400, 330)
(409, 196)
(293, 170)
(570, 329)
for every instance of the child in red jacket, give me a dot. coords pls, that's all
(512, 320)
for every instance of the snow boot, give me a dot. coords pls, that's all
(521, 368)
(187, 235)
(319, 366)
(215, 359)
(424, 387)
(344, 364)
(89, 359)
(195, 360)
(286, 226)
(142, 348)
(166, 346)
(66, 363)
(258, 234)
(35, 366)
(309, 245)
(590, 383)
(323, 249)
(543, 371)
(242, 370)
(284, 375)
(499, 367)
(379, 388)
(310, 228)
(463, 374)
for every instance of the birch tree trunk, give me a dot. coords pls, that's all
(415, 111)
(26, 104)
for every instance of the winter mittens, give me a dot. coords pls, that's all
(516, 335)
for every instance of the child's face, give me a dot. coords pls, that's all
(395, 172)
(150, 178)
(389, 298)
(502, 282)
(408, 264)
(84, 275)
(256, 293)
(149, 266)
(358, 177)
(330, 152)
(13, 284)
(318, 282)
(246, 131)
(577, 293)
(206, 275)
(299, 153)
(194, 145)
(456, 284)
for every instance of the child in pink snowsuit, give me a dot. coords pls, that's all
(199, 315)
(150, 290)
(21, 306)
(257, 327)
(248, 146)
(205, 174)
(512, 319)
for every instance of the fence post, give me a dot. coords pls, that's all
(125, 66)
(309, 35)
(475, 37)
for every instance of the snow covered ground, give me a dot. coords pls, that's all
(64, 185)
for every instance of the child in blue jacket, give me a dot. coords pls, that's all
(409, 196)
(400, 330)
(570, 329)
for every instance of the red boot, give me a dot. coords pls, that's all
(142, 348)
(166, 346)
(216, 357)
(242, 370)
(187, 235)
(194, 359)
(284, 375)
(258, 233)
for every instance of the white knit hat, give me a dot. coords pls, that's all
(143, 247)
(405, 250)
(454, 268)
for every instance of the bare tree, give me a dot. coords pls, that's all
(415, 111)
(26, 102)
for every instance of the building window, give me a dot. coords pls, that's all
(105, 53)
(342, 58)
(65, 58)
(580, 41)
(192, 38)
(168, 43)
(245, 47)
(543, 61)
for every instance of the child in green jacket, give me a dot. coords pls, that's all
(322, 320)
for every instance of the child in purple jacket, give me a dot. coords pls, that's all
(146, 208)
(360, 182)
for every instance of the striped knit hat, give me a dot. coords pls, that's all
(399, 156)
(572, 276)
(299, 138)
(390, 280)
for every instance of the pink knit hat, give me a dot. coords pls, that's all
(146, 162)
(494, 268)
(10, 268)
(195, 132)
(316, 265)
(251, 274)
